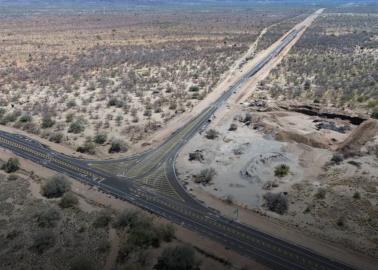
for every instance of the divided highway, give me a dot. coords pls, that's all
(149, 181)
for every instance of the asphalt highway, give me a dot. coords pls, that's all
(149, 181)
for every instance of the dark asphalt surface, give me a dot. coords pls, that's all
(184, 209)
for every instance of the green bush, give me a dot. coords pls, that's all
(177, 258)
(12, 165)
(25, 118)
(281, 170)
(100, 138)
(47, 122)
(118, 146)
(68, 200)
(48, 217)
(55, 187)
(76, 127)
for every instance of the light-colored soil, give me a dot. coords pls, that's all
(253, 148)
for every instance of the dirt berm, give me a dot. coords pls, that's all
(359, 137)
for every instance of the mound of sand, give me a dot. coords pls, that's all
(359, 137)
(308, 139)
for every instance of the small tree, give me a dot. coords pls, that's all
(103, 219)
(47, 122)
(68, 200)
(375, 114)
(25, 118)
(276, 202)
(55, 187)
(177, 258)
(76, 127)
(88, 147)
(233, 127)
(11, 166)
(212, 134)
(100, 138)
(118, 146)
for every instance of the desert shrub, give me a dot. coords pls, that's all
(281, 170)
(177, 258)
(321, 193)
(48, 217)
(205, 176)
(357, 195)
(10, 117)
(167, 232)
(276, 202)
(68, 200)
(88, 148)
(115, 102)
(76, 127)
(374, 114)
(55, 187)
(233, 127)
(69, 117)
(100, 138)
(337, 158)
(125, 219)
(196, 155)
(212, 134)
(47, 122)
(82, 263)
(340, 222)
(71, 103)
(118, 146)
(12, 165)
(103, 219)
(42, 241)
(247, 118)
(56, 137)
(194, 88)
(25, 118)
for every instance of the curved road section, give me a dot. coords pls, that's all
(149, 181)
